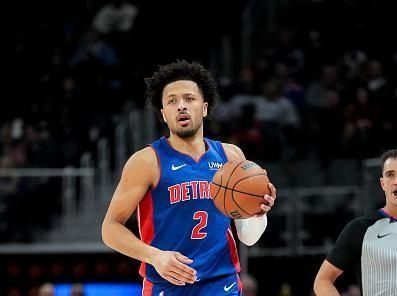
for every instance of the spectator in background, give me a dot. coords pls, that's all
(287, 50)
(249, 133)
(46, 289)
(359, 130)
(115, 22)
(291, 88)
(325, 114)
(328, 122)
(279, 119)
(316, 54)
(316, 95)
(243, 93)
(353, 61)
(77, 290)
(116, 16)
(39, 148)
(377, 84)
(94, 50)
(384, 101)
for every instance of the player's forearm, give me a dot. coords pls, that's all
(324, 287)
(250, 230)
(118, 237)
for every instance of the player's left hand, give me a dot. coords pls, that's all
(268, 200)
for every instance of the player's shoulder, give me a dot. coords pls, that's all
(144, 158)
(232, 151)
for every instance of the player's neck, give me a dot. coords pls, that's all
(193, 146)
(390, 210)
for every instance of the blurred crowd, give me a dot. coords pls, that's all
(35, 277)
(346, 110)
(300, 96)
(303, 96)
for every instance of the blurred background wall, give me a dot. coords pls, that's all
(308, 91)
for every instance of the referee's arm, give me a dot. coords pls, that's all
(325, 279)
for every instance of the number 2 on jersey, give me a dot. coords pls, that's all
(197, 232)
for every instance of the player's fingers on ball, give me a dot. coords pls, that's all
(273, 190)
(265, 208)
(269, 200)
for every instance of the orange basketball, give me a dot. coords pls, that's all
(238, 188)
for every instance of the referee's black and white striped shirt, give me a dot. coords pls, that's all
(368, 245)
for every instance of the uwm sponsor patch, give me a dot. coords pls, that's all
(214, 165)
(189, 190)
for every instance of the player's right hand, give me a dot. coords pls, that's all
(172, 266)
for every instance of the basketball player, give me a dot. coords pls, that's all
(186, 245)
(368, 245)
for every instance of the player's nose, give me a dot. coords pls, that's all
(181, 105)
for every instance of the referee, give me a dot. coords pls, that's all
(368, 245)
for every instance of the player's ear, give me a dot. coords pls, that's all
(162, 113)
(205, 109)
(382, 183)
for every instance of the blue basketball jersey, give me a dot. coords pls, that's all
(179, 214)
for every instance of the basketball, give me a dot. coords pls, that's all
(238, 188)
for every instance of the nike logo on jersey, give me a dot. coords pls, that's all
(380, 236)
(174, 167)
(227, 288)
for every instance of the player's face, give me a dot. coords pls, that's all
(389, 182)
(183, 108)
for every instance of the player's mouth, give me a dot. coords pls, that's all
(183, 119)
(394, 193)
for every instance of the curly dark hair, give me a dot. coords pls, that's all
(181, 70)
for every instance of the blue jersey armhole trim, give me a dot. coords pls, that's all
(223, 151)
(153, 146)
(217, 145)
